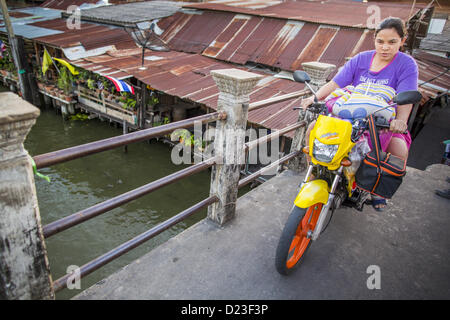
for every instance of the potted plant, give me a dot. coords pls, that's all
(40, 82)
(130, 104)
(123, 99)
(64, 83)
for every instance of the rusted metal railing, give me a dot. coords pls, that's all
(95, 264)
(52, 158)
(91, 212)
(267, 102)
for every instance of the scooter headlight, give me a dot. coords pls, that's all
(324, 152)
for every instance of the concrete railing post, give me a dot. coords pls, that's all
(234, 86)
(319, 72)
(24, 270)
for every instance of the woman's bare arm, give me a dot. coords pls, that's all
(321, 94)
(400, 123)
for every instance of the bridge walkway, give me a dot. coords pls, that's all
(410, 243)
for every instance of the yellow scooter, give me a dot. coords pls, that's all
(328, 182)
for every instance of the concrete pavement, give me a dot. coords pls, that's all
(409, 243)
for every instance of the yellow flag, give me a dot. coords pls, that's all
(68, 65)
(46, 61)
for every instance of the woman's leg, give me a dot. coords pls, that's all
(397, 147)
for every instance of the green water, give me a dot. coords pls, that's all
(78, 184)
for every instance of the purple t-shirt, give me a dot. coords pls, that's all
(401, 73)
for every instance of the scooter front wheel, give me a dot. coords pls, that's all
(294, 240)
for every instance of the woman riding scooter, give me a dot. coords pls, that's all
(388, 66)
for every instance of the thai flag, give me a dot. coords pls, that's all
(121, 85)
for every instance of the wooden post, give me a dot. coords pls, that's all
(24, 269)
(142, 106)
(234, 87)
(125, 131)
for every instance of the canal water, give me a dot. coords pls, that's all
(78, 184)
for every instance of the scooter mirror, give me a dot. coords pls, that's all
(301, 76)
(407, 97)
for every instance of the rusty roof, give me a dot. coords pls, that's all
(90, 36)
(278, 43)
(333, 12)
(187, 76)
(64, 4)
(434, 73)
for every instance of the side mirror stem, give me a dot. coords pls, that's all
(315, 97)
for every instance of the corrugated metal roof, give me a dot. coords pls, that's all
(64, 4)
(333, 12)
(90, 36)
(30, 32)
(188, 76)
(194, 32)
(22, 21)
(279, 43)
(434, 70)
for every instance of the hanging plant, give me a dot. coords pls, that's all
(130, 104)
(91, 84)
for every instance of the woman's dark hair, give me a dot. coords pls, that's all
(392, 23)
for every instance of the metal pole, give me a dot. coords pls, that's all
(51, 158)
(95, 264)
(14, 50)
(91, 212)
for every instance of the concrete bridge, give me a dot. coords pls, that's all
(410, 243)
(230, 254)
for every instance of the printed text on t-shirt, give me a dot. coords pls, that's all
(370, 80)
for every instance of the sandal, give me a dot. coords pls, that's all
(376, 201)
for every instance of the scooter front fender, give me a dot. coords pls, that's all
(316, 191)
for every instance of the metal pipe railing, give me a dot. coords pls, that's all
(91, 212)
(268, 102)
(133, 243)
(257, 174)
(51, 158)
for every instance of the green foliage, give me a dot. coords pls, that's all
(130, 104)
(160, 123)
(186, 137)
(84, 74)
(91, 84)
(79, 117)
(65, 80)
(152, 100)
(106, 84)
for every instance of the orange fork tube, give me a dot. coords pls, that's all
(301, 241)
